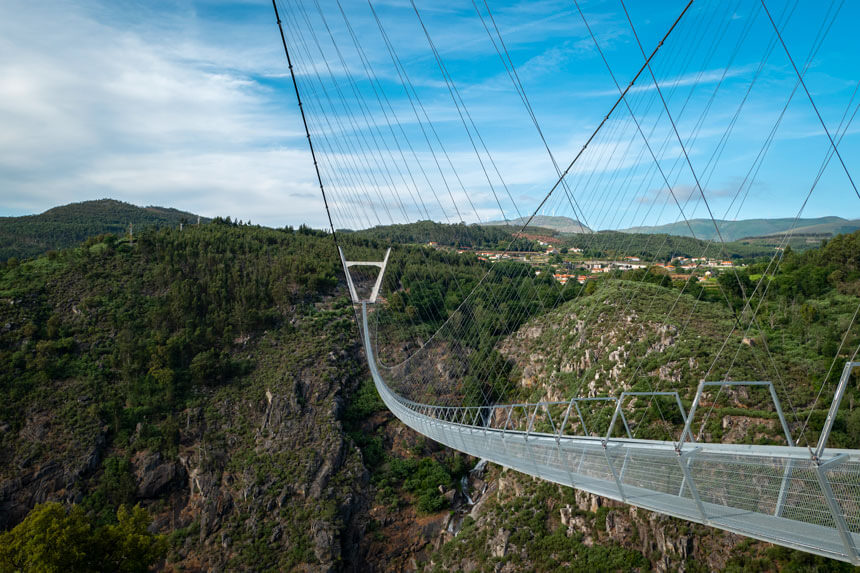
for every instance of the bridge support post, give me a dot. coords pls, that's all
(563, 423)
(581, 418)
(688, 423)
(834, 408)
(531, 420)
(507, 421)
(551, 423)
(614, 471)
(783, 489)
(684, 461)
(821, 470)
(688, 430)
(618, 411)
(352, 292)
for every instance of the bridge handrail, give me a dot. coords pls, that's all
(779, 494)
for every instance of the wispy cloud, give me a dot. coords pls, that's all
(126, 115)
(646, 84)
(189, 104)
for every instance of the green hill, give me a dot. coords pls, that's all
(653, 246)
(558, 224)
(750, 228)
(68, 225)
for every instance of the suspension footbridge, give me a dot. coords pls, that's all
(440, 329)
(773, 493)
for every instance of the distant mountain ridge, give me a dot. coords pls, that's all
(559, 224)
(68, 225)
(752, 228)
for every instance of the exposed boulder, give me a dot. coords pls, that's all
(155, 475)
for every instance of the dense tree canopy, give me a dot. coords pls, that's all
(55, 539)
(66, 226)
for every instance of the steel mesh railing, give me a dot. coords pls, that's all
(778, 494)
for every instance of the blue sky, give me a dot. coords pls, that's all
(189, 104)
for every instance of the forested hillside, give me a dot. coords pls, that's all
(460, 236)
(602, 244)
(214, 376)
(66, 226)
(661, 246)
(619, 336)
(558, 224)
(736, 230)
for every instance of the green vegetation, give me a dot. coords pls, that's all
(69, 225)
(526, 515)
(115, 487)
(813, 273)
(659, 247)
(420, 474)
(602, 244)
(551, 224)
(113, 354)
(736, 230)
(435, 284)
(233, 346)
(421, 477)
(745, 559)
(365, 402)
(148, 326)
(460, 236)
(803, 311)
(55, 539)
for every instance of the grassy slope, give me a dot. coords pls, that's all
(559, 224)
(620, 338)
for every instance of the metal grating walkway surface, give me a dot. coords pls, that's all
(777, 494)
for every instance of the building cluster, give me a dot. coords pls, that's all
(494, 256)
(564, 278)
(551, 250)
(679, 268)
(698, 263)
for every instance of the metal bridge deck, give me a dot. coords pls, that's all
(777, 494)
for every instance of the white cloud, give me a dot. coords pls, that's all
(705, 77)
(166, 103)
(90, 110)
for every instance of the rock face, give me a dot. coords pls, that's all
(597, 346)
(568, 342)
(515, 515)
(262, 461)
(57, 478)
(270, 467)
(155, 476)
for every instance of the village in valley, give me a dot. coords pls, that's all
(571, 263)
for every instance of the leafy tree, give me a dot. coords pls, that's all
(127, 546)
(54, 539)
(736, 283)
